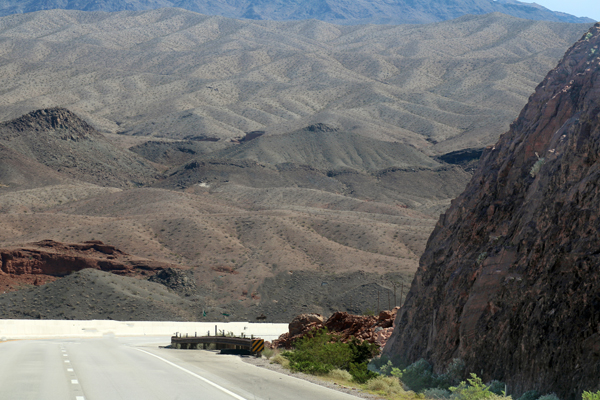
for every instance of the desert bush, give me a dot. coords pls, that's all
(537, 166)
(497, 387)
(360, 373)
(591, 396)
(474, 389)
(386, 385)
(530, 395)
(340, 374)
(420, 376)
(268, 353)
(281, 360)
(320, 352)
(384, 364)
(436, 393)
(417, 376)
(550, 396)
(453, 375)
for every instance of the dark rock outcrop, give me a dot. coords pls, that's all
(63, 142)
(176, 279)
(510, 279)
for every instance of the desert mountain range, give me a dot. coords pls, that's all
(266, 238)
(281, 167)
(176, 74)
(339, 12)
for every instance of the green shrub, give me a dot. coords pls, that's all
(453, 375)
(319, 352)
(537, 166)
(386, 369)
(500, 397)
(551, 396)
(530, 395)
(363, 351)
(497, 387)
(420, 376)
(472, 389)
(591, 396)
(417, 376)
(360, 373)
(383, 365)
(436, 393)
(340, 374)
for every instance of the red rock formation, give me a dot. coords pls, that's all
(40, 262)
(372, 329)
(510, 278)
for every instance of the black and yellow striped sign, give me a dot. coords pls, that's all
(258, 345)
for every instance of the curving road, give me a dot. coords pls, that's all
(137, 369)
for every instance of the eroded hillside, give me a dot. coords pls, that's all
(255, 237)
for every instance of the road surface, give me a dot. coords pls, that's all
(137, 369)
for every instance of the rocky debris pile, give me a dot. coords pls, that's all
(304, 323)
(42, 261)
(509, 279)
(370, 328)
(176, 279)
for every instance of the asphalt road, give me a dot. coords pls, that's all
(137, 369)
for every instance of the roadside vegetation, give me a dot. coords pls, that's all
(355, 364)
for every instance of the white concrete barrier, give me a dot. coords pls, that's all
(31, 329)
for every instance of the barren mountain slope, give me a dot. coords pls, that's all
(323, 148)
(179, 74)
(244, 233)
(509, 281)
(94, 294)
(58, 139)
(18, 172)
(361, 11)
(233, 250)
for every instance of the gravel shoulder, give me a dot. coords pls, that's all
(264, 363)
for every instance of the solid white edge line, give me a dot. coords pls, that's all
(235, 396)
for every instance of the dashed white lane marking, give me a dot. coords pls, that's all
(65, 355)
(74, 381)
(79, 398)
(67, 361)
(69, 369)
(235, 396)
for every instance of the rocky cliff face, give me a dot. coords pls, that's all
(510, 279)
